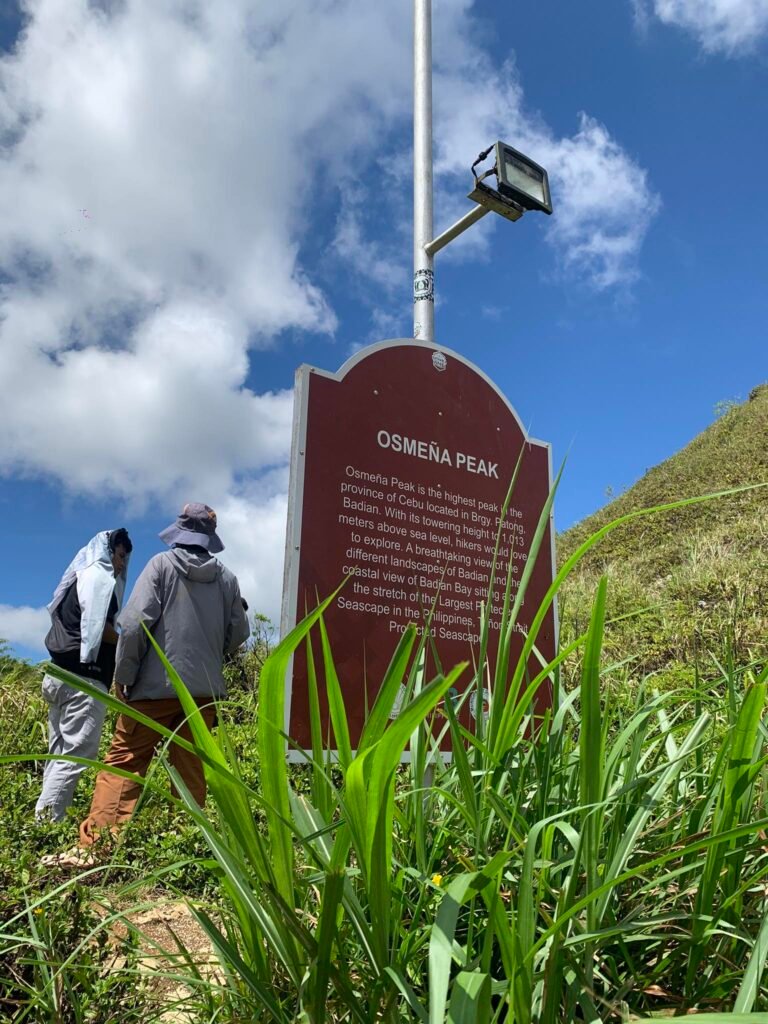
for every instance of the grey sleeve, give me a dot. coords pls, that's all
(144, 607)
(238, 629)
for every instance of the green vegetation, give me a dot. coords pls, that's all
(698, 574)
(160, 858)
(606, 864)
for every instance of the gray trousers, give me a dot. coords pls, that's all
(75, 721)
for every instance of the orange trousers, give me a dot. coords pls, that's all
(132, 749)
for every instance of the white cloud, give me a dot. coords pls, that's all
(252, 527)
(151, 195)
(374, 262)
(152, 203)
(605, 204)
(25, 626)
(491, 312)
(166, 413)
(602, 199)
(161, 163)
(732, 27)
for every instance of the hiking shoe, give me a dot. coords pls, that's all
(74, 859)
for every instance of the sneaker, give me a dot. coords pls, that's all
(75, 859)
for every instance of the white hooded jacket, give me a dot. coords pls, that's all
(96, 583)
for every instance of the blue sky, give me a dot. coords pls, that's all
(195, 199)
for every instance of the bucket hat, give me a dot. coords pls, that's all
(195, 524)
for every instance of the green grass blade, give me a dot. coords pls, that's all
(501, 691)
(591, 743)
(336, 708)
(504, 741)
(442, 938)
(271, 750)
(326, 936)
(321, 789)
(237, 877)
(709, 1018)
(470, 999)
(650, 805)
(732, 804)
(230, 956)
(750, 982)
(378, 719)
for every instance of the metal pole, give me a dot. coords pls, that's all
(423, 264)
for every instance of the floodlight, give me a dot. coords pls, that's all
(522, 184)
(522, 180)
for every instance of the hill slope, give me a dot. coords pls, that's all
(702, 571)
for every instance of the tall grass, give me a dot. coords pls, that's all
(602, 864)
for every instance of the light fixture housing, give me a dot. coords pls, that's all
(521, 179)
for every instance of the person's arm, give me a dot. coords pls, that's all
(143, 609)
(238, 629)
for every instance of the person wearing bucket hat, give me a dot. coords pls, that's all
(191, 605)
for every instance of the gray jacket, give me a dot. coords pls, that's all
(191, 604)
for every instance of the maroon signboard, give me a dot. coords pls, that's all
(401, 464)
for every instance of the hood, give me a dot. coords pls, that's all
(95, 552)
(196, 566)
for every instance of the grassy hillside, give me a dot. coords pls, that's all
(700, 572)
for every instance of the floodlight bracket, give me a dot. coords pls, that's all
(455, 230)
(492, 200)
(487, 200)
